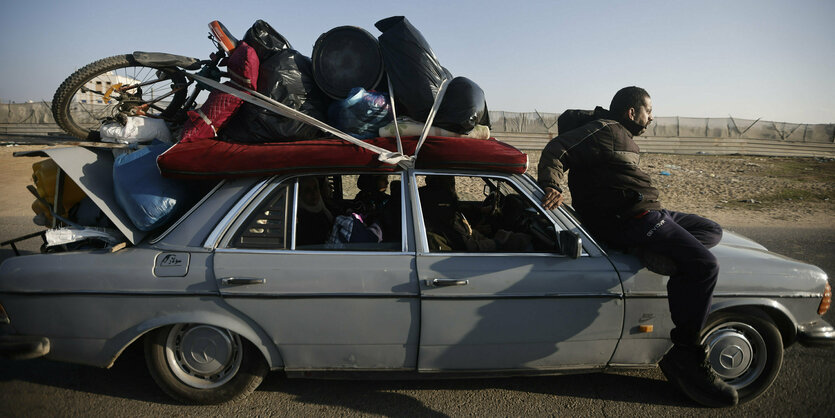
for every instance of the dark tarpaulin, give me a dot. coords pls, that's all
(415, 72)
(286, 77)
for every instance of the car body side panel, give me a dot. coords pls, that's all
(749, 276)
(94, 329)
(128, 271)
(92, 304)
(644, 347)
(518, 312)
(352, 311)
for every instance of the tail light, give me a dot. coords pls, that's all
(825, 300)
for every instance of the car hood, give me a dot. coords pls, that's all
(733, 239)
(745, 268)
(92, 170)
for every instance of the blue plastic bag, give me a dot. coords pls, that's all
(148, 199)
(361, 114)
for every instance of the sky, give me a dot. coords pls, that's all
(766, 59)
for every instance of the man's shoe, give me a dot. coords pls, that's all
(687, 367)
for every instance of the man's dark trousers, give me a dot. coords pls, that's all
(685, 238)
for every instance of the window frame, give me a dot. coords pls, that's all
(242, 211)
(420, 226)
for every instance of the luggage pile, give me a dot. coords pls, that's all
(345, 84)
(366, 87)
(380, 91)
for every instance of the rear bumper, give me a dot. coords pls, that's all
(821, 334)
(23, 347)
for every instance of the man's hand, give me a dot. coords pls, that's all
(552, 199)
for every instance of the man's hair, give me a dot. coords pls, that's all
(625, 98)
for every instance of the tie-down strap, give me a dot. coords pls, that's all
(384, 155)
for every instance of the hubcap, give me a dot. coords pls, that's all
(203, 356)
(737, 353)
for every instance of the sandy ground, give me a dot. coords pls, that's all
(743, 190)
(733, 190)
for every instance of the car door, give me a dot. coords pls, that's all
(326, 306)
(514, 303)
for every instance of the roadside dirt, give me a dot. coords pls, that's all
(733, 190)
(743, 190)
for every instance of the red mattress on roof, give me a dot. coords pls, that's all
(210, 158)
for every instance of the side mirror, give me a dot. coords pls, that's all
(570, 243)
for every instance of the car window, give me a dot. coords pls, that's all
(266, 226)
(481, 214)
(358, 212)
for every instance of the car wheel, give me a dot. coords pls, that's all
(204, 364)
(745, 350)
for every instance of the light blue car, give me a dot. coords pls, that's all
(433, 272)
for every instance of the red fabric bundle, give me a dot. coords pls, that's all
(243, 65)
(209, 158)
(219, 107)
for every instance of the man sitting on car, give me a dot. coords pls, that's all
(619, 205)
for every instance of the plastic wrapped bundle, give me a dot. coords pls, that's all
(286, 77)
(136, 129)
(361, 114)
(147, 198)
(463, 107)
(410, 127)
(265, 40)
(415, 72)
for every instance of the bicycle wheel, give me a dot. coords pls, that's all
(115, 86)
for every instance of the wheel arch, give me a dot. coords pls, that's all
(249, 331)
(769, 308)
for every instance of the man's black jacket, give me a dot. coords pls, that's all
(603, 175)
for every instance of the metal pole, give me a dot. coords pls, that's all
(58, 206)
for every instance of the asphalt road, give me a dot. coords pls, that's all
(805, 386)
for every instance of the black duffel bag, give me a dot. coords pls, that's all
(265, 40)
(286, 77)
(463, 107)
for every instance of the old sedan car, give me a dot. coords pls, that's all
(416, 271)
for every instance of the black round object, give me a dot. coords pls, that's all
(346, 57)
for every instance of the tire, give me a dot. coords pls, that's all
(181, 363)
(77, 112)
(745, 350)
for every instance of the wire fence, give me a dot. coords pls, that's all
(681, 127)
(544, 125)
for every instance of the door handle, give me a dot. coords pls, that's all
(236, 281)
(446, 282)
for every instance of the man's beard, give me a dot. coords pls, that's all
(635, 128)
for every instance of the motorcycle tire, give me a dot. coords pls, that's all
(82, 103)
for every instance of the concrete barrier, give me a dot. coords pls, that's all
(679, 145)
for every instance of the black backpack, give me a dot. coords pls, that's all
(574, 118)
